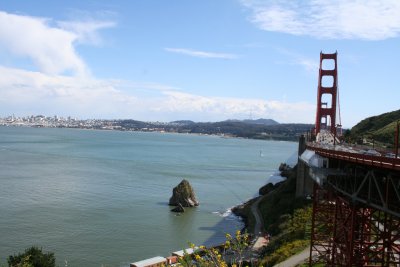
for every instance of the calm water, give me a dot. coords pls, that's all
(100, 197)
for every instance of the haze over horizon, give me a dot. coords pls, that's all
(196, 60)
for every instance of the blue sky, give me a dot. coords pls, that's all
(201, 60)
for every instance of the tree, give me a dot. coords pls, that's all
(32, 257)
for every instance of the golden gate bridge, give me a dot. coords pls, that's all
(356, 193)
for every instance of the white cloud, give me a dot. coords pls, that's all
(50, 90)
(310, 65)
(336, 19)
(39, 92)
(221, 108)
(86, 31)
(27, 93)
(50, 48)
(201, 54)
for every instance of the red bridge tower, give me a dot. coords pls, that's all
(327, 95)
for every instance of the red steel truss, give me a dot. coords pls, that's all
(346, 234)
(322, 226)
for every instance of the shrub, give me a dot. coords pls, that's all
(32, 257)
(230, 254)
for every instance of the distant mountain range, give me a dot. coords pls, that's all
(380, 128)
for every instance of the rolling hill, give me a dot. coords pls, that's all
(380, 128)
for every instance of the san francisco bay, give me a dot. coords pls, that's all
(100, 197)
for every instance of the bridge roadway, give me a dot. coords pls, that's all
(347, 153)
(372, 179)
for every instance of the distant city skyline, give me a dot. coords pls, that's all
(196, 60)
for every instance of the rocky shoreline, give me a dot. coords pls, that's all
(244, 210)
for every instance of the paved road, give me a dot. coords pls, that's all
(259, 226)
(261, 241)
(295, 259)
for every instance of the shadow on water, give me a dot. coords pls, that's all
(229, 223)
(220, 230)
(185, 225)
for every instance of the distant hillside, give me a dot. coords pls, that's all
(258, 121)
(257, 129)
(183, 122)
(289, 131)
(380, 128)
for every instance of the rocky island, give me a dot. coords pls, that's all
(183, 196)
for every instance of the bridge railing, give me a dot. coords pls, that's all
(338, 152)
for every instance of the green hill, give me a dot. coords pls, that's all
(380, 128)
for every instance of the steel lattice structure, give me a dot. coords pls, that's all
(348, 233)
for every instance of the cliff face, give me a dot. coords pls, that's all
(184, 195)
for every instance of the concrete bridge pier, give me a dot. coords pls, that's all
(304, 183)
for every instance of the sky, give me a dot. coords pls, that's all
(207, 60)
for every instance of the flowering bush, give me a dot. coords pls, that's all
(231, 253)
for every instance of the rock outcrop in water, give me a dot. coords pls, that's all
(183, 194)
(178, 208)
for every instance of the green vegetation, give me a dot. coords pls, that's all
(32, 257)
(249, 130)
(293, 236)
(281, 202)
(286, 218)
(285, 251)
(379, 128)
(213, 257)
